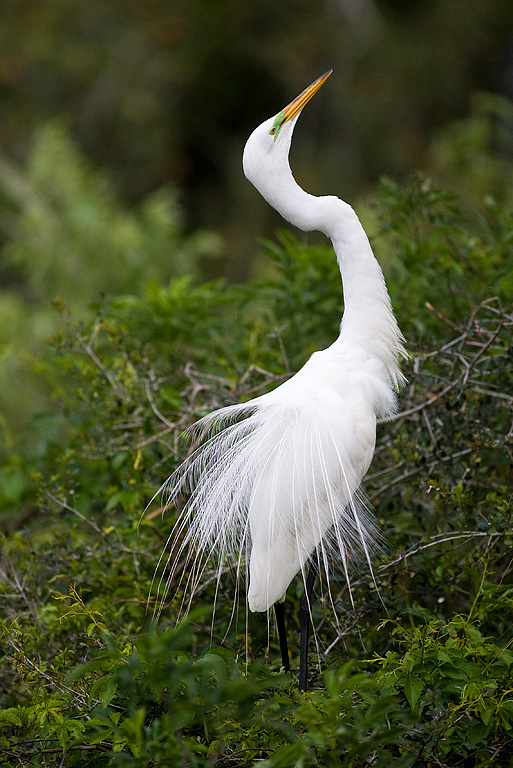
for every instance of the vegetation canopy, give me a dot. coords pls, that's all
(419, 671)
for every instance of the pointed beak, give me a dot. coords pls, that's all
(294, 108)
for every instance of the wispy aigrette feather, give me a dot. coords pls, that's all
(273, 477)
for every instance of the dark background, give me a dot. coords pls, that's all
(166, 93)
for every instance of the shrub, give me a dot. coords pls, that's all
(417, 673)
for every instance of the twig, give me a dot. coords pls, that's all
(155, 409)
(439, 539)
(96, 528)
(32, 665)
(439, 315)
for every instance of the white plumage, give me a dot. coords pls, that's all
(277, 478)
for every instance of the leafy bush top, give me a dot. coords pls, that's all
(418, 672)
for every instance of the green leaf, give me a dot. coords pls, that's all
(413, 687)
(13, 483)
(104, 689)
(11, 715)
(290, 754)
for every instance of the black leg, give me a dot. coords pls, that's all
(304, 621)
(279, 610)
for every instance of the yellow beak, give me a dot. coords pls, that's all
(295, 106)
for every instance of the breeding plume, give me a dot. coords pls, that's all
(275, 480)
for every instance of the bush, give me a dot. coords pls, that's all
(66, 234)
(417, 673)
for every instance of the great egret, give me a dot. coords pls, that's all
(276, 479)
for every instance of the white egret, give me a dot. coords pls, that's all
(276, 479)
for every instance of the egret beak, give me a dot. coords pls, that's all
(295, 106)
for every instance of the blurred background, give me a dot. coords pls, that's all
(123, 123)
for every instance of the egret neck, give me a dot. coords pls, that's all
(368, 320)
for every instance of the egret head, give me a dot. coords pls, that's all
(267, 149)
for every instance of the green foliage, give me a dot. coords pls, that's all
(436, 254)
(457, 681)
(417, 673)
(474, 154)
(157, 702)
(66, 234)
(70, 236)
(304, 294)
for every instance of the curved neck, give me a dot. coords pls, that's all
(368, 320)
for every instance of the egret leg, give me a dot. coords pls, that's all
(304, 621)
(279, 610)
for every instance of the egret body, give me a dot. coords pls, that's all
(276, 480)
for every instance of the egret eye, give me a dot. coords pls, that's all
(274, 130)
